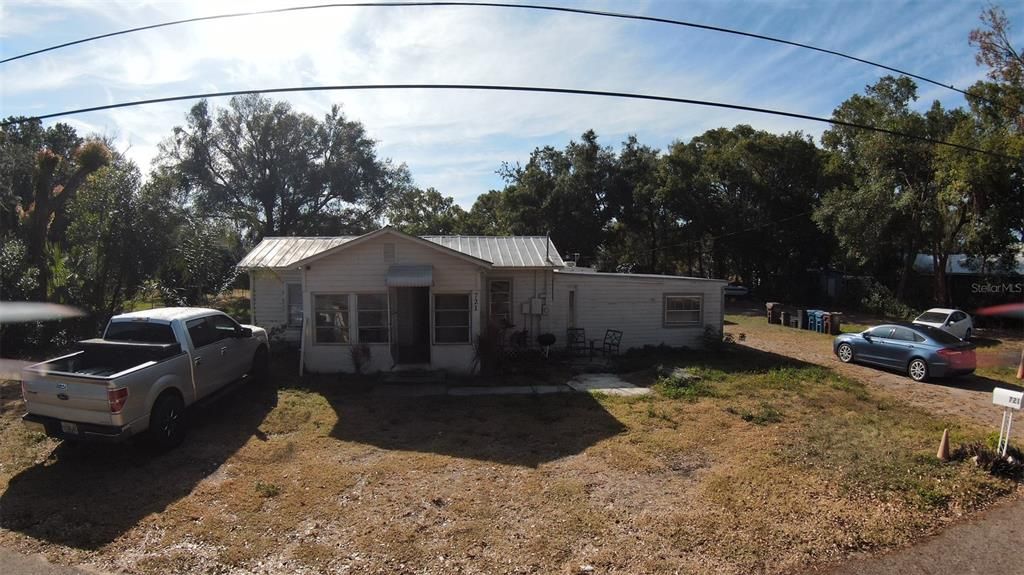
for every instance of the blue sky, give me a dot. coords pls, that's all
(455, 141)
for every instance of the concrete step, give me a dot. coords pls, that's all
(414, 376)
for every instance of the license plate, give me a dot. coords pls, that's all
(68, 427)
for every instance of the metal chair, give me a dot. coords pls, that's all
(610, 346)
(576, 338)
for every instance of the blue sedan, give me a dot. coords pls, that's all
(919, 350)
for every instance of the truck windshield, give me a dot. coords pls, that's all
(140, 331)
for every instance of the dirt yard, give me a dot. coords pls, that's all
(762, 465)
(969, 398)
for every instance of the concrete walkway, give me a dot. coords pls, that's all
(606, 383)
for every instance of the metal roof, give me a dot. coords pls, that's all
(501, 251)
(276, 252)
(588, 272)
(505, 251)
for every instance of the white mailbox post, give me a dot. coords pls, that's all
(1010, 401)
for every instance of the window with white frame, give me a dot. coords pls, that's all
(500, 298)
(372, 314)
(294, 303)
(331, 313)
(683, 309)
(451, 318)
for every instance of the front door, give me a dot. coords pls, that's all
(411, 321)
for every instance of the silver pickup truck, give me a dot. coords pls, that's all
(148, 367)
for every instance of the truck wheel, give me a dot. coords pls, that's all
(259, 371)
(166, 421)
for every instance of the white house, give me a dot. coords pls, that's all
(422, 301)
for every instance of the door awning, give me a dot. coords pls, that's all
(410, 276)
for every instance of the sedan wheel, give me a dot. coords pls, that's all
(918, 370)
(845, 352)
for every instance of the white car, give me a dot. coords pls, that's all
(953, 321)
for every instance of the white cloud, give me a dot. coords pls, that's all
(455, 140)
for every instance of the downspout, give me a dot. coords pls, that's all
(302, 332)
(252, 298)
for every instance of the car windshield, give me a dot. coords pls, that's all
(932, 317)
(139, 331)
(938, 335)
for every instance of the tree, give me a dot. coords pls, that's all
(274, 171)
(42, 172)
(425, 212)
(1006, 68)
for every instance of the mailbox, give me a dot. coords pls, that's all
(1007, 398)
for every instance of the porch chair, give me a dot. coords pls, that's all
(576, 338)
(610, 346)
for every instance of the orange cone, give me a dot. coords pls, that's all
(1020, 366)
(943, 453)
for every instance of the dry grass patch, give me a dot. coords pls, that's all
(780, 466)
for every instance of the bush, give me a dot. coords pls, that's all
(1011, 467)
(683, 384)
(873, 297)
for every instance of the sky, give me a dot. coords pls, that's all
(456, 141)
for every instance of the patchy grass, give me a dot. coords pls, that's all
(759, 465)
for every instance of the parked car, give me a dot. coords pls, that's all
(736, 290)
(922, 351)
(954, 321)
(141, 375)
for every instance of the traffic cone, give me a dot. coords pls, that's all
(1020, 366)
(943, 453)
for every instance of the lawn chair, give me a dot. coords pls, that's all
(577, 340)
(610, 346)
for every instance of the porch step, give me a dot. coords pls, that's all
(413, 376)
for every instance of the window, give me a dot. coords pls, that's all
(682, 309)
(451, 318)
(294, 295)
(372, 310)
(881, 331)
(903, 334)
(140, 331)
(223, 326)
(500, 298)
(200, 332)
(331, 313)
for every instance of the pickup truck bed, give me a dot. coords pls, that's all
(100, 357)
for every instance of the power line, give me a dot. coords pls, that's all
(562, 9)
(505, 88)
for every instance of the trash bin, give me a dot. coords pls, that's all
(774, 310)
(785, 318)
(836, 325)
(801, 319)
(826, 322)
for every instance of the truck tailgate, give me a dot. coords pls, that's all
(67, 398)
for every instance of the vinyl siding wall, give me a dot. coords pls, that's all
(269, 301)
(634, 306)
(363, 269)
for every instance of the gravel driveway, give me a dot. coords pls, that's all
(968, 397)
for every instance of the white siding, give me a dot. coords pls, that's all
(634, 306)
(526, 285)
(269, 300)
(363, 269)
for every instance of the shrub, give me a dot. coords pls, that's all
(1011, 467)
(360, 353)
(267, 489)
(683, 384)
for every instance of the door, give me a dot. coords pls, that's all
(412, 325)
(873, 347)
(958, 324)
(903, 346)
(207, 370)
(235, 353)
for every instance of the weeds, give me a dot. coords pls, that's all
(267, 490)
